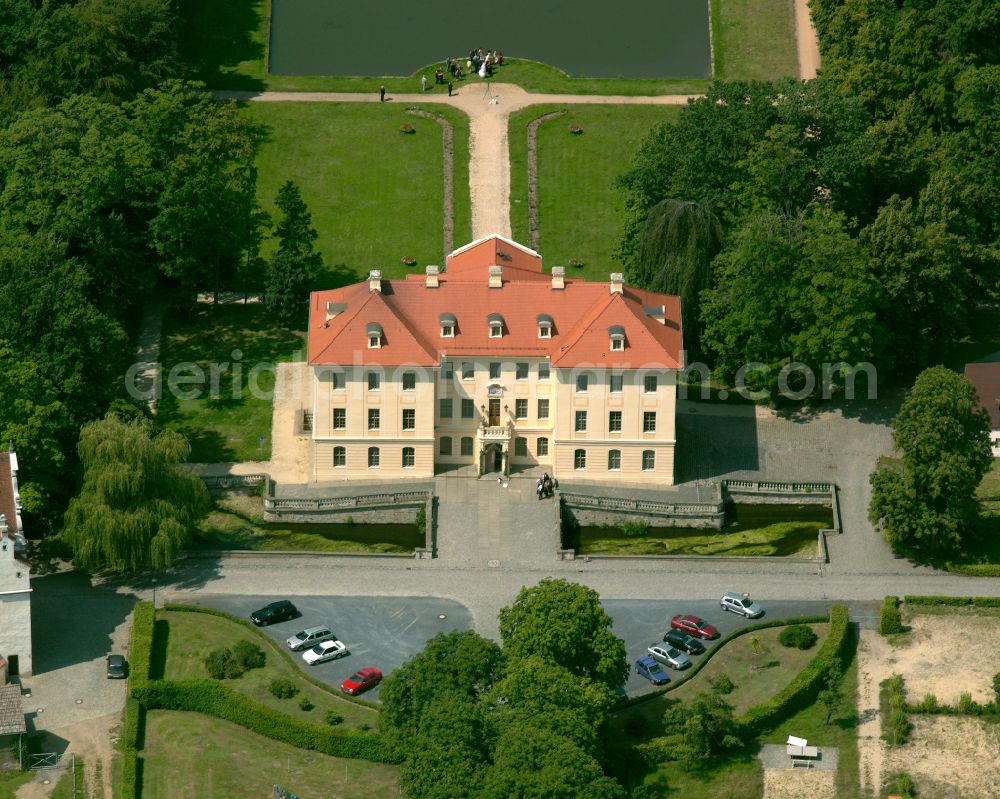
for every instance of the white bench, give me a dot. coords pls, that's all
(800, 752)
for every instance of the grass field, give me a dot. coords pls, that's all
(184, 639)
(581, 211)
(226, 428)
(188, 754)
(754, 39)
(360, 177)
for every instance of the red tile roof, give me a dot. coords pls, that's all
(409, 314)
(7, 506)
(986, 378)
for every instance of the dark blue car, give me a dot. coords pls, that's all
(651, 670)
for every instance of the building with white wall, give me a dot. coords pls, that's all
(15, 585)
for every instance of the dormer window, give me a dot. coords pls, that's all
(495, 322)
(448, 325)
(616, 335)
(374, 336)
(544, 326)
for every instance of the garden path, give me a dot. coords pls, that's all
(806, 40)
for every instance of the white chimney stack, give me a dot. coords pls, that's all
(617, 283)
(375, 280)
(431, 280)
(496, 277)
(558, 277)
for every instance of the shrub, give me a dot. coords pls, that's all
(282, 688)
(890, 620)
(900, 785)
(723, 684)
(634, 529)
(928, 704)
(967, 705)
(231, 662)
(333, 718)
(798, 635)
(305, 704)
(636, 726)
(895, 722)
(141, 650)
(952, 601)
(996, 691)
(248, 655)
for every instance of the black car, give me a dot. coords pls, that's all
(684, 642)
(117, 668)
(282, 610)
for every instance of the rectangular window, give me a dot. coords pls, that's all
(521, 409)
(543, 371)
(373, 419)
(373, 457)
(543, 409)
(409, 381)
(614, 460)
(409, 457)
(542, 447)
(616, 383)
(649, 422)
(466, 445)
(409, 419)
(580, 424)
(648, 460)
(494, 371)
(337, 380)
(521, 447)
(544, 331)
(580, 459)
(340, 418)
(339, 456)
(446, 409)
(649, 384)
(521, 371)
(446, 445)
(496, 330)
(615, 422)
(374, 381)
(468, 370)
(447, 370)
(374, 342)
(447, 331)
(468, 409)
(581, 383)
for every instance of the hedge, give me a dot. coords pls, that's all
(214, 699)
(140, 655)
(638, 700)
(890, 620)
(802, 690)
(128, 744)
(954, 601)
(141, 652)
(276, 648)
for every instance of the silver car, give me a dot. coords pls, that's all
(742, 604)
(669, 656)
(304, 639)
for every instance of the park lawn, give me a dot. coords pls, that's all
(189, 754)
(183, 639)
(375, 194)
(230, 426)
(581, 211)
(754, 39)
(783, 539)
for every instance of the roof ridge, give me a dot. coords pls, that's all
(581, 327)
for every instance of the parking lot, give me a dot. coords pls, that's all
(641, 622)
(379, 631)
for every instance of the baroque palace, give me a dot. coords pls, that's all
(493, 365)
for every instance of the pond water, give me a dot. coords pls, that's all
(585, 38)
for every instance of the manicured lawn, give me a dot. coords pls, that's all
(581, 211)
(188, 754)
(229, 426)
(10, 781)
(989, 488)
(189, 637)
(238, 523)
(375, 194)
(754, 39)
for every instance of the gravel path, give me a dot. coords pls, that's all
(806, 41)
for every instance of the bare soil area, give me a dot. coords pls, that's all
(951, 757)
(784, 783)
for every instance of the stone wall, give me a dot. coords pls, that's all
(589, 517)
(396, 514)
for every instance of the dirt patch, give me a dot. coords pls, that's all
(951, 757)
(786, 783)
(873, 668)
(91, 741)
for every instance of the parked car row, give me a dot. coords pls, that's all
(320, 645)
(685, 638)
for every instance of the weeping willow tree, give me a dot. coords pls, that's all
(677, 243)
(136, 508)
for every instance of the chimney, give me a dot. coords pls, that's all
(375, 280)
(558, 277)
(617, 283)
(657, 312)
(432, 273)
(496, 277)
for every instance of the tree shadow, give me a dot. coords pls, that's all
(711, 444)
(158, 655)
(217, 37)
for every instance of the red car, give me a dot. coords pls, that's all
(361, 680)
(692, 625)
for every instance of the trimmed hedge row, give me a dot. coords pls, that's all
(892, 708)
(140, 655)
(802, 690)
(890, 620)
(128, 744)
(213, 699)
(141, 651)
(954, 601)
(274, 648)
(975, 569)
(638, 700)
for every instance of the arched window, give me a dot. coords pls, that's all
(446, 445)
(373, 457)
(409, 457)
(340, 456)
(614, 460)
(580, 459)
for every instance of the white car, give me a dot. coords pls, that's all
(669, 656)
(306, 639)
(328, 650)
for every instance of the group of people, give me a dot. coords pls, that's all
(479, 62)
(545, 486)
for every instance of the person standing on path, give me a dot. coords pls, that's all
(381, 93)
(449, 88)
(423, 83)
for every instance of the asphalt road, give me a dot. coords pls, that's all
(379, 631)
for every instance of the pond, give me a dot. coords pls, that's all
(750, 529)
(585, 38)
